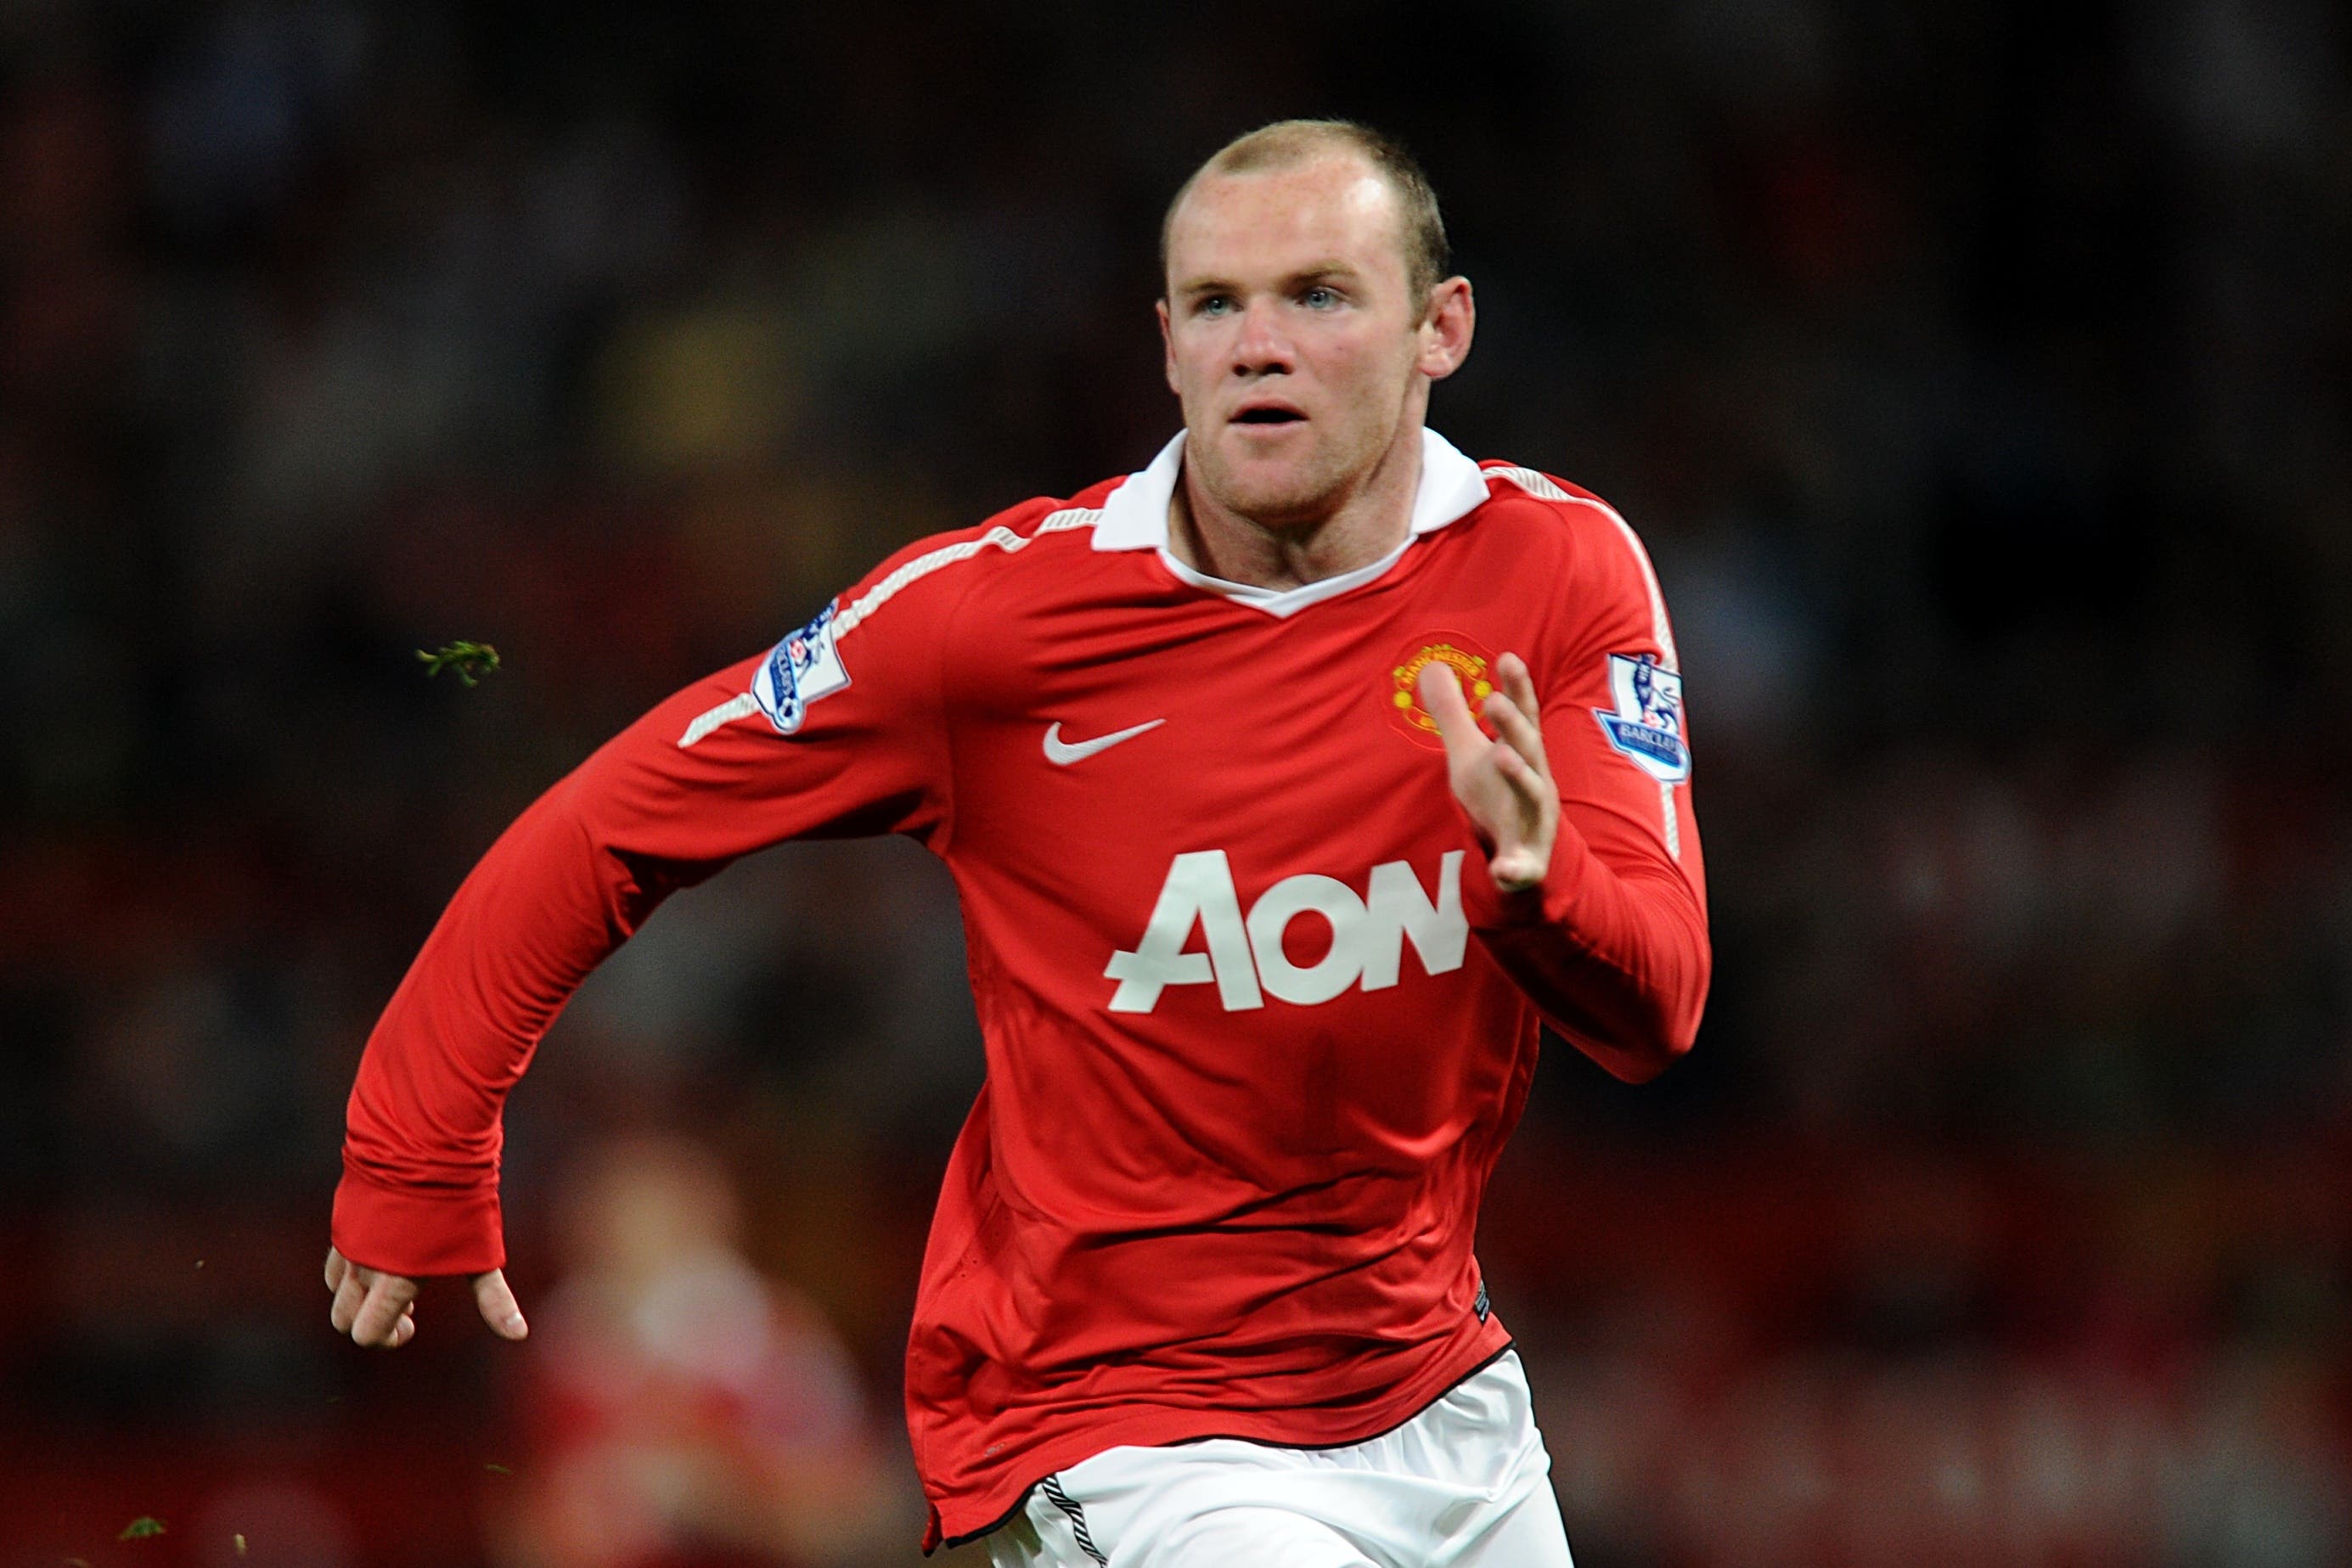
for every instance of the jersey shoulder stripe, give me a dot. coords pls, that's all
(846, 618)
(1544, 488)
(997, 536)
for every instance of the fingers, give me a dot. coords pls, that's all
(1519, 734)
(1441, 696)
(403, 1330)
(1517, 870)
(380, 1308)
(349, 1295)
(382, 1318)
(1523, 858)
(1518, 685)
(374, 1309)
(1505, 786)
(498, 1306)
(1515, 713)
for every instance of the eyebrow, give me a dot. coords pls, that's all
(1316, 273)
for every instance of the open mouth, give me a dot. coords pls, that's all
(1270, 416)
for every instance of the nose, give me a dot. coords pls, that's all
(1261, 347)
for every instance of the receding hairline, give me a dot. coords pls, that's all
(1292, 143)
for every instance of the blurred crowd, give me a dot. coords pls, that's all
(1978, 373)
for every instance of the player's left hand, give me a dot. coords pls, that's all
(1505, 786)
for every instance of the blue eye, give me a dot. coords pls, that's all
(1214, 305)
(1320, 299)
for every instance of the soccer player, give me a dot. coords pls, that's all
(1289, 784)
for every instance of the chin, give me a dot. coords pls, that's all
(1272, 492)
(1278, 505)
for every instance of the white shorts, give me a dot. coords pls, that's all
(1464, 1484)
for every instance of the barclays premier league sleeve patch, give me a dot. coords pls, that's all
(803, 667)
(1647, 723)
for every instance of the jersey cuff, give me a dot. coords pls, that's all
(418, 1232)
(1548, 902)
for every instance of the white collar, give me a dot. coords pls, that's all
(1135, 517)
(1135, 514)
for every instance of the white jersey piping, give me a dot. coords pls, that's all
(929, 561)
(854, 615)
(725, 713)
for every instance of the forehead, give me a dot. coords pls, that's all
(1330, 208)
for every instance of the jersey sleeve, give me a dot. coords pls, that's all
(1613, 946)
(837, 730)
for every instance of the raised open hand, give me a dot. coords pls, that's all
(1505, 786)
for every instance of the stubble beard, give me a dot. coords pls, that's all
(1291, 495)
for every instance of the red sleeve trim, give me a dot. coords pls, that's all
(419, 1232)
(1617, 961)
(1490, 909)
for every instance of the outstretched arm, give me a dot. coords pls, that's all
(724, 768)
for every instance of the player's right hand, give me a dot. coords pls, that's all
(379, 1310)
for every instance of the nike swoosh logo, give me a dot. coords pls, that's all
(1062, 753)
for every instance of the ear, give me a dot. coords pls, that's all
(1166, 348)
(1445, 332)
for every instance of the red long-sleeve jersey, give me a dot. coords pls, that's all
(1248, 1070)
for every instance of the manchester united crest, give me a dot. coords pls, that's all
(1472, 664)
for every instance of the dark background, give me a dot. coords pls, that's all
(1979, 375)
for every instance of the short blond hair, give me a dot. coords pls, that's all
(1286, 142)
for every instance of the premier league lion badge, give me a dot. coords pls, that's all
(803, 667)
(1647, 725)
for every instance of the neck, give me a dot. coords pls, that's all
(1367, 522)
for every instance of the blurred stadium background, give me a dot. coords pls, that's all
(1979, 373)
